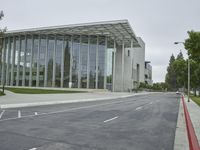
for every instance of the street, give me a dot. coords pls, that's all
(143, 122)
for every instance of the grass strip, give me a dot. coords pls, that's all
(40, 91)
(195, 99)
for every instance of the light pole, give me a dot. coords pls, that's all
(188, 72)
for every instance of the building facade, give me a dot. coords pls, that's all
(102, 55)
(148, 73)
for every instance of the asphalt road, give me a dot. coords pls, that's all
(145, 122)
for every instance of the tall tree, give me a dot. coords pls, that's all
(192, 44)
(170, 78)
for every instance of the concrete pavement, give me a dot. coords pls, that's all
(13, 100)
(181, 137)
(194, 112)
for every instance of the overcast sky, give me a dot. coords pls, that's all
(159, 22)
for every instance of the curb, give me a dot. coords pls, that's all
(192, 138)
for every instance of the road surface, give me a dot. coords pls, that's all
(145, 122)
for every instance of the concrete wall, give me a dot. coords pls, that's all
(132, 57)
(139, 58)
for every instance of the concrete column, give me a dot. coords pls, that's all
(24, 63)
(46, 61)
(8, 63)
(131, 60)
(54, 62)
(38, 62)
(114, 60)
(79, 64)
(31, 62)
(88, 63)
(62, 62)
(3, 62)
(13, 61)
(105, 63)
(97, 62)
(18, 62)
(123, 47)
(71, 63)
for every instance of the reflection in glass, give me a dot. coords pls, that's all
(50, 61)
(101, 62)
(75, 58)
(42, 60)
(21, 62)
(34, 61)
(92, 55)
(67, 61)
(58, 61)
(83, 67)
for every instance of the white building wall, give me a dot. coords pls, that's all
(118, 70)
(139, 58)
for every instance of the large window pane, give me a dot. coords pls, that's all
(67, 61)
(50, 61)
(84, 55)
(58, 60)
(17, 51)
(101, 64)
(92, 54)
(28, 60)
(34, 61)
(42, 61)
(75, 58)
(21, 62)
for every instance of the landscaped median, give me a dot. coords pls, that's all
(40, 91)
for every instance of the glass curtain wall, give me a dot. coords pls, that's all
(34, 61)
(17, 51)
(92, 64)
(11, 58)
(67, 61)
(42, 60)
(75, 58)
(22, 58)
(28, 59)
(101, 62)
(84, 58)
(50, 61)
(109, 70)
(5, 59)
(59, 46)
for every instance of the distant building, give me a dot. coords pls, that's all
(101, 55)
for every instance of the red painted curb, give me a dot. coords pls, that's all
(192, 138)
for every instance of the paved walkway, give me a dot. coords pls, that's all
(181, 138)
(194, 111)
(12, 100)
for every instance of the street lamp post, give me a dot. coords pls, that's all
(188, 72)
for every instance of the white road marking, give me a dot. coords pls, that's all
(138, 108)
(2, 113)
(111, 119)
(151, 103)
(72, 109)
(33, 149)
(19, 114)
(36, 113)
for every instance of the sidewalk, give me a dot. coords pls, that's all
(181, 137)
(194, 111)
(13, 100)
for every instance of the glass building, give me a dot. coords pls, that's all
(71, 56)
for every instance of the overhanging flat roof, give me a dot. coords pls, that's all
(118, 30)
